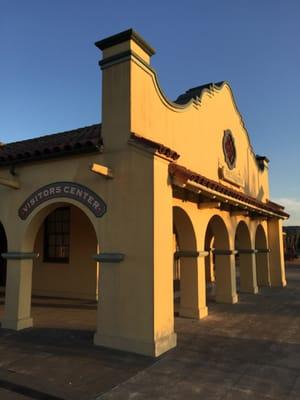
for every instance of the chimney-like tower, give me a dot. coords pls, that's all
(119, 52)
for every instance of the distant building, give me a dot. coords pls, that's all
(162, 196)
(291, 241)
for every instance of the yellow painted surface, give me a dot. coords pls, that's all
(182, 127)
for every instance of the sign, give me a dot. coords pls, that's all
(70, 190)
(231, 176)
(229, 149)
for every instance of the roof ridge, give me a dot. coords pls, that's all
(50, 135)
(75, 141)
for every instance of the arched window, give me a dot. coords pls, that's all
(57, 236)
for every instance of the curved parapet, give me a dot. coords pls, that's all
(203, 125)
(196, 93)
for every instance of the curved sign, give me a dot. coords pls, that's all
(70, 190)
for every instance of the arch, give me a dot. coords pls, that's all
(192, 301)
(184, 229)
(58, 190)
(20, 276)
(3, 249)
(223, 289)
(217, 227)
(37, 216)
(209, 260)
(245, 260)
(262, 257)
(242, 236)
(65, 267)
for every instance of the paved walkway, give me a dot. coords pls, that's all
(250, 350)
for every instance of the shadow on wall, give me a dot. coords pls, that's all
(253, 185)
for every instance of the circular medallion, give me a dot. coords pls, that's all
(229, 149)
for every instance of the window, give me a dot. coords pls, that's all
(57, 236)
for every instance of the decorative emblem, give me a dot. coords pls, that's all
(72, 190)
(229, 149)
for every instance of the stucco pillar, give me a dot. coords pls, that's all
(276, 257)
(263, 268)
(248, 280)
(136, 309)
(17, 313)
(193, 288)
(225, 277)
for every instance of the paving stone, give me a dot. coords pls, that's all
(250, 350)
(274, 382)
(8, 395)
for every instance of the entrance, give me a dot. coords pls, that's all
(65, 276)
(262, 258)
(219, 266)
(186, 275)
(245, 260)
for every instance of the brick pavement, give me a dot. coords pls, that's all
(250, 350)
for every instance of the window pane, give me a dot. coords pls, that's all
(65, 240)
(65, 227)
(51, 227)
(57, 235)
(51, 251)
(51, 239)
(59, 240)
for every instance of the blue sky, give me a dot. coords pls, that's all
(50, 79)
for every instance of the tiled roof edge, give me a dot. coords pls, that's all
(159, 147)
(76, 141)
(186, 174)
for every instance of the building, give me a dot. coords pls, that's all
(291, 241)
(160, 207)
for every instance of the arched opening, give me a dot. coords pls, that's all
(63, 285)
(3, 249)
(262, 257)
(221, 277)
(176, 272)
(245, 260)
(210, 270)
(188, 300)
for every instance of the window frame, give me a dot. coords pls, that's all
(57, 259)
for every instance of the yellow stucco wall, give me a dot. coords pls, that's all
(196, 131)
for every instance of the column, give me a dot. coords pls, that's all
(263, 268)
(248, 281)
(135, 308)
(225, 277)
(276, 257)
(17, 313)
(193, 287)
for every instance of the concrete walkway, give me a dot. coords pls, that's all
(250, 350)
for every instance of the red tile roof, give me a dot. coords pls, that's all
(159, 147)
(81, 140)
(184, 174)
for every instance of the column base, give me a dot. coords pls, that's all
(251, 290)
(153, 349)
(196, 313)
(16, 325)
(264, 284)
(279, 284)
(227, 299)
